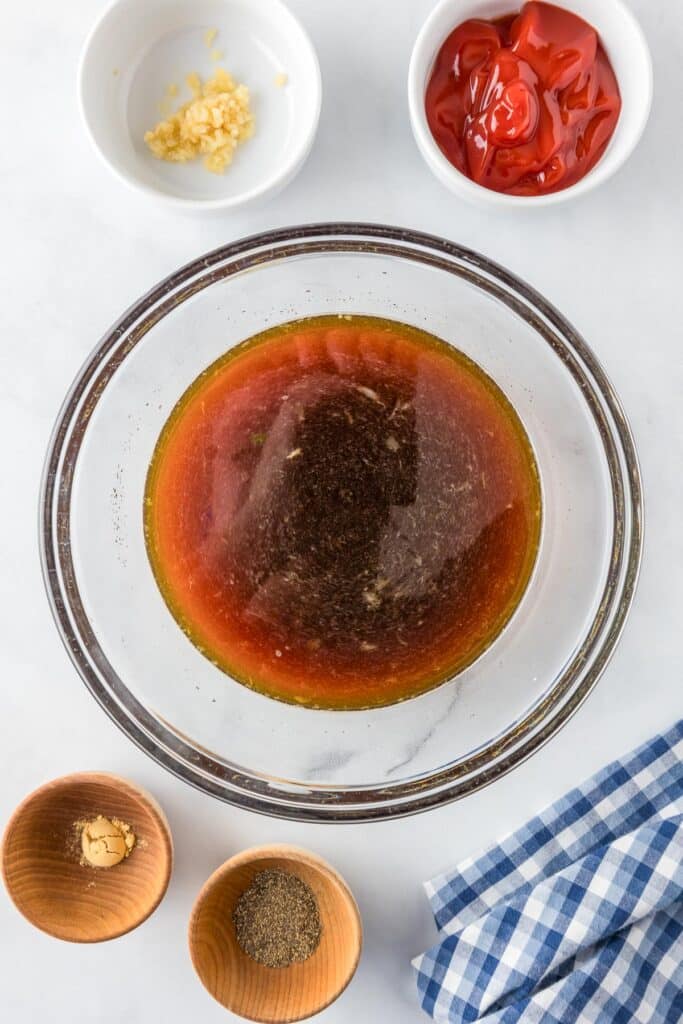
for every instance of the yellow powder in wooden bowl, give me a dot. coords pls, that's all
(105, 841)
(212, 124)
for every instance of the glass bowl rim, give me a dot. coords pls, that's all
(324, 803)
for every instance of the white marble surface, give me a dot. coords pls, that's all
(78, 248)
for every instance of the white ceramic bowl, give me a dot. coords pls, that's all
(137, 49)
(626, 48)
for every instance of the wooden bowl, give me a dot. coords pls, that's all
(41, 859)
(274, 995)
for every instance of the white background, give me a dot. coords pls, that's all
(77, 248)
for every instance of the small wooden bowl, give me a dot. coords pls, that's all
(41, 859)
(274, 995)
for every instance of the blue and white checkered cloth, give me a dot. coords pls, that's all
(576, 918)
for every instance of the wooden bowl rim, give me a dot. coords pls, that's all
(296, 854)
(133, 791)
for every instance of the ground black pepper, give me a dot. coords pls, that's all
(276, 919)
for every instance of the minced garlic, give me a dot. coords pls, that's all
(212, 124)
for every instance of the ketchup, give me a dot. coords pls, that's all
(525, 104)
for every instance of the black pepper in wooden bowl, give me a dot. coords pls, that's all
(276, 919)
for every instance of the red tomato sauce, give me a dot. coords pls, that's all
(342, 512)
(525, 104)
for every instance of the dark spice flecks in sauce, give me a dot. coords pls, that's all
(525, 104)
(343, 512)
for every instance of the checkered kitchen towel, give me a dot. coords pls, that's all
(576, 918)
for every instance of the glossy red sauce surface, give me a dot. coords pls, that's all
(342, 512)
(525, 104)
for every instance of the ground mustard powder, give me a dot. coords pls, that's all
(106, 841)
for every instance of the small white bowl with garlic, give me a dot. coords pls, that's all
(133, 74)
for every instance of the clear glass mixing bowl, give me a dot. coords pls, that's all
(280, 759)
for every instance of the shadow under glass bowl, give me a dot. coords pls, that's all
(295, 762)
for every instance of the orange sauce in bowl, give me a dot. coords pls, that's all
(342, 512)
